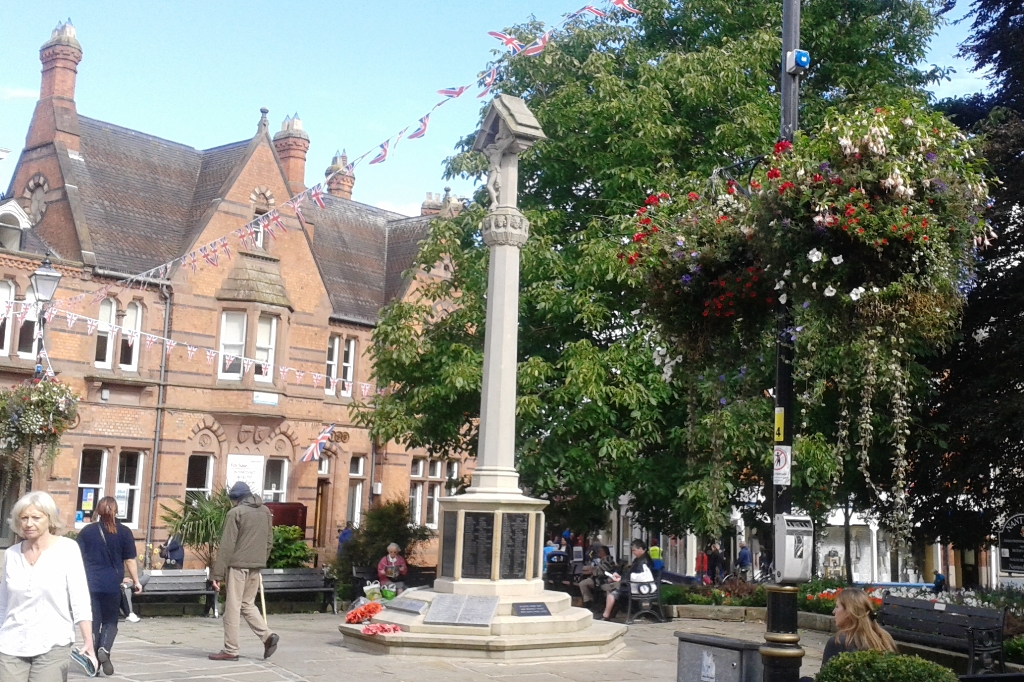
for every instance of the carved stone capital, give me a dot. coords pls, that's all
(505, 225)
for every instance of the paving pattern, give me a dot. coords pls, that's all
(176, 649)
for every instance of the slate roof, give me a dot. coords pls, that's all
(144, 198)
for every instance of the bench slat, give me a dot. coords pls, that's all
(949, 630)
(949, 609)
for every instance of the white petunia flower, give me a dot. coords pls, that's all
(856, 293)
(779, 285)
(838, 260)
(783, 298)
(814, 255)
(829, 291)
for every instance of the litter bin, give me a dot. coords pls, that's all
(706, 658)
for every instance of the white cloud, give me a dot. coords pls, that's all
(403, 209)
(18, 93)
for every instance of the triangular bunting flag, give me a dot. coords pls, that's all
(317, 195)
(71, 318)
(169, 346)
(49, 314)
(150, 340)
(191, 351)
(284, 372)
(131, 335)
(210, 355)
(222, 243)
(265, 369)
(298, 376)
(247, 364)
(90, 326)
(316, 379)
(365, 388)
(228, 359)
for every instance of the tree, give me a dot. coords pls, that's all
(198, 523)
(996, 45)
(628, 107)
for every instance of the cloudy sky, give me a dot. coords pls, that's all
(198, 72)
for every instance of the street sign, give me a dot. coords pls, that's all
(782, 465)
(1011, 545)
(780, 424)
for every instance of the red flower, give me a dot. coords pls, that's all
(654, 229)
(621, 256)
(860, 230)
(641, 210)
(924, 238)
(782, 146)
(693, 196)
(774, 174)
(639, 236)
(786, 185)
(755, 184)
(721, 219)
(924, 223)
(850, 210)
(770, 299)
(817, 177)
(730, 189)
(663, 195)
(645, 221)
(705, 313)
(836, 180)
(633, 258)
(652, 200)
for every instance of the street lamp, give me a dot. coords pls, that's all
(44, 282)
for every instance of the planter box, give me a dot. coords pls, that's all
(701, 612)
(815, 621)
(755, 614)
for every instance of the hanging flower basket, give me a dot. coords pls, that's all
(34, 415)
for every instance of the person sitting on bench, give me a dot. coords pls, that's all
(598, 576)
(639, 572)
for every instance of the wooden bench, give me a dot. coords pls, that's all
(977, 632)
(177, 583)
(296, 580)
(644, 598)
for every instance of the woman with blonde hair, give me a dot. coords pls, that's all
(43, 595)
(857, 629)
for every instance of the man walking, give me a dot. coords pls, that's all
(244, 547)
(744, 561)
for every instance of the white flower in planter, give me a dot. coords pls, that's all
(856, 293)
(783, 298)
(829, 291)
(814, 255)
(838, 260)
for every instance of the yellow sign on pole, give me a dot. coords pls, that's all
(780, 429)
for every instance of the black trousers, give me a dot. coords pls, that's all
(105, 611)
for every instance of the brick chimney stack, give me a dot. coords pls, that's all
(55, 117)
(292, 143)
(341, 184)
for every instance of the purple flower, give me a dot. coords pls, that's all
(940, 186)
(686, 279)
(695, 269)
(721, 377)
(700, 377)
(743, 370)
(930, 157)
(695, 254)
(824, 168)
(721, 401)
(807, 304)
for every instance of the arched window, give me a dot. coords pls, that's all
(105, 333)
(128, 359)
(6, 294)
(10, 232)
(28, 344)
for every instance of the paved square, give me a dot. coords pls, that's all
(311, 650)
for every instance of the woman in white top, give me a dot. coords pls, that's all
(43, 595)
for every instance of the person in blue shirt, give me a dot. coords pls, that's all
(172, 553)
(108, 547)
(940, 582)
(344, 536)
(744, 561)
(548, 549)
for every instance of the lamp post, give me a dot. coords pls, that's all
(44, 283)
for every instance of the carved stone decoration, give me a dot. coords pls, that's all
(261, 434)
(208, 423)
(35, 195)
(505, 225)
(509, 129)
(280, 445)
(205, 440)
(339, 437)
(245, 432)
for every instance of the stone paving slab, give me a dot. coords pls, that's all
(175, 649)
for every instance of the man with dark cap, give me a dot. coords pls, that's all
(244, 547)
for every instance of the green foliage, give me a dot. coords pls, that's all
(731, 593)
(381, 525)
(873, 666)
(629, 106)
(290, 549)
(198, 523)
(33, 414)
(1013, 649)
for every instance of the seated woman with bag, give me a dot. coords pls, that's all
(391, 568)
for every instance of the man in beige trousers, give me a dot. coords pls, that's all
(244, 547)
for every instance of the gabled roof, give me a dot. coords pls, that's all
(144, 199)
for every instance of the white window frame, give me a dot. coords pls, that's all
(100, 488)
(283, 492)
(222, 373)
(434, 468)
(270, 350)
(333, 348)
(417, 468)
(137, 486)
(31, 317)
(6, 294)
(355, 513)
(323, 466)
(134, 364)
(207, 488)
(361, 465)
(416, 503)
(433, 504)
(105, 329)
(451, 470)
(348, 367)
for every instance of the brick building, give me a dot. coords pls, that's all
(107, 203)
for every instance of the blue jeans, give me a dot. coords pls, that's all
(105, 611)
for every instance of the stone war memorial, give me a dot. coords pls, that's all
(489, 599)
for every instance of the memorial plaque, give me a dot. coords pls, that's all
(514, 543)
(449, 533)
(477, 544)
(407, 605)
(530, 608)
(458, 609)
(1011, 545)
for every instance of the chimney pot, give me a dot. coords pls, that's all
(55, 116)
(292, 143)
(340, 182)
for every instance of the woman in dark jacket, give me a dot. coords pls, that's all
(108, 547)
(639, 572)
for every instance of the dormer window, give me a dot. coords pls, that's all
(10, 233)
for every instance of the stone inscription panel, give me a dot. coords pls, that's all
(477, 545)
(449, 533)
(459, 609)
(407, 605)
(515, 532)
(530, 608)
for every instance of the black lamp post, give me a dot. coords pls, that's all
(44, 285)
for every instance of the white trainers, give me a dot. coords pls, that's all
(132, 618)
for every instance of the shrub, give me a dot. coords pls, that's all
(198, 522)
(729, 593)
(381, 526)
(874, 666)
(1013, 649)
(290, 549)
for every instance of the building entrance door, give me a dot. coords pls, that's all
(320, 530)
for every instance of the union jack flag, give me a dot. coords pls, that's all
(275, 219)
(316, 449)
(209, 255)
(349, 168)
(624, 4)
(588, 9)
(422, 130)
(537, 46)
(513, 45)
(223, 243)
(317, 195)
(383, 155)
(489, 79)
(452, 92)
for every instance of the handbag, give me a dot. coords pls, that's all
(372, 590)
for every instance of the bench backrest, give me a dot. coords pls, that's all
(937, 624)
(644, 589)
(174, 581)
(293, 578)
